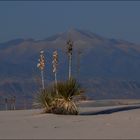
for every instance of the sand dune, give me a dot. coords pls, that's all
(121, 122)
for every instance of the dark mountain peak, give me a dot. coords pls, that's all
(85, 33)
(74, 34)
(72, 30)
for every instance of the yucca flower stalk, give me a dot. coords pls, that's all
(69, 51)
(41, 66)
(55, 64)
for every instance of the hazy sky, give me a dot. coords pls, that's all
(39, 20)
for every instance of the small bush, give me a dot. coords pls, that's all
(61, 103)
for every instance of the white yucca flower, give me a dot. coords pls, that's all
(41, 51)
(38, 65)
(41, 65)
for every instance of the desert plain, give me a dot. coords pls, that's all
(106, 122)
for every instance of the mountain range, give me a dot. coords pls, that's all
(105, 68)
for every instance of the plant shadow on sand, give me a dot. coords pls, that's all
(110, 110)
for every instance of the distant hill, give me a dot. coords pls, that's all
(107, 68)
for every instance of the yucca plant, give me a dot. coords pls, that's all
(64, 102)
(61, 102)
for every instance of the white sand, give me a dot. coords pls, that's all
(33, 125)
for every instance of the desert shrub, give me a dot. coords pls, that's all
(61, 103)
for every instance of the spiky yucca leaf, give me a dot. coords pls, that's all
(45, 98)
(65, 107)
(66, 91)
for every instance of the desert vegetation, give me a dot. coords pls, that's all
(58, 97)
(62, 102)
